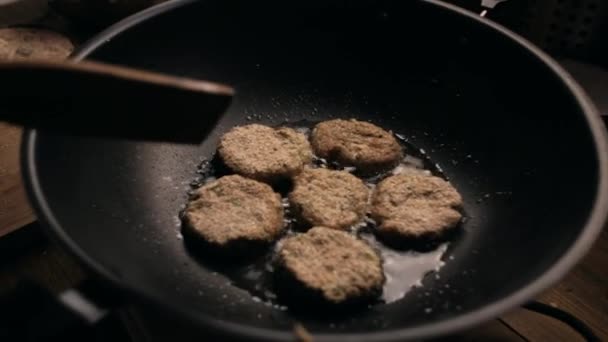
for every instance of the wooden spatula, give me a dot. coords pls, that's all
(96, 99)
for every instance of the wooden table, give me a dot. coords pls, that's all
(583, 292)
(14, 209)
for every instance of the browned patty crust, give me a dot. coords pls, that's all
(265, 153)
(33, 44)
(356, 143)
(333, 263)
(413, 205)
(334, 199)
(235, 208)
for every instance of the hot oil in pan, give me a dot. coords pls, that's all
(403, 269)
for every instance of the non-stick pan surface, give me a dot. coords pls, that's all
(510, 130)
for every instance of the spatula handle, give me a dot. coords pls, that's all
(96, 99)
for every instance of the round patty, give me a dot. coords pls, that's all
(334, 199)
(356, 143)
(265, 153)
(332, 266)
(36, 44)
(413, 205)
(235, 209)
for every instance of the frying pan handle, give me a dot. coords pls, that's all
(32, 313)
(488, 5)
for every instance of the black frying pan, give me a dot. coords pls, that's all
(509, 127)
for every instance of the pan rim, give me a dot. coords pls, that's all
(592, 228)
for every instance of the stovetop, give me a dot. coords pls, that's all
(593, 79)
